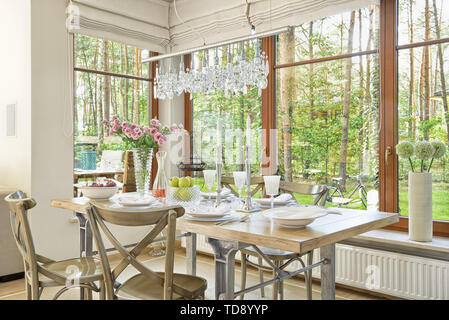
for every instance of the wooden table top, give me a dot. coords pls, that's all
(260, 230)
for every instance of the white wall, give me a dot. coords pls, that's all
(51, 129)
(15, 88)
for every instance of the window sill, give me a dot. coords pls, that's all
(397, 241)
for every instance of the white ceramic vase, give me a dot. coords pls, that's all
(420, 206)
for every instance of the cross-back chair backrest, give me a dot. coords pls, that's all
(159, 217)
(319, 192)
(229, 182)
(129, 180)
(19, 205)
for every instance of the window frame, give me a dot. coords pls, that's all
(388, 108)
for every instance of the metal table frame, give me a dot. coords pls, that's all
(224, 261)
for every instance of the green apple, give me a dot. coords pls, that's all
(174, 182)
(184, 183)
(183, 194)
(191, 181)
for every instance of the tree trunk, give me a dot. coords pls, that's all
(137, 86)
(346, 105)
(125, 102)
(107, 85)
(411, 97)
(426, 67)
(442, 76)
(287, 88)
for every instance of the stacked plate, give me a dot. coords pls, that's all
(295, 217)
(281, 200)
(208, 213)
(225, 192)
(136, 201)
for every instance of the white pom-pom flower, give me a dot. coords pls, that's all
(440, 149)
(424, 150)
(405, 149)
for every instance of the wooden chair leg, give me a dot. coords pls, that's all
(102, 293)
(28, 290)
(262, 290)
(88, 294)
(35, 292)
(275, 284)
(243, 281)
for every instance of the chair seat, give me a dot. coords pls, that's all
(141, 287)
(273, 254)
(83, 270)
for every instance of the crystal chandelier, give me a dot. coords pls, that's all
(235, 77)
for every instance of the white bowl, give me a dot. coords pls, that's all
(295, 217)
(98, 192)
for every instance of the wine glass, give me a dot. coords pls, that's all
(240, 181)
(209, 179)
(272, 187)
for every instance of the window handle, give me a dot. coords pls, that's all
(388, 152)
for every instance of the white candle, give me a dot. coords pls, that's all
(248, 130)
(219, 144)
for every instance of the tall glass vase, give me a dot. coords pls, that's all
(143, 158)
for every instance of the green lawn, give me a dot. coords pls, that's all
(440, 199)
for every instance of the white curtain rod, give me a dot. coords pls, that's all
(218, 44)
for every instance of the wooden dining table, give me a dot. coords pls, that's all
(256, 231)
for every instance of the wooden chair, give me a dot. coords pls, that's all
(228, 182)
(41, 272)
(282, 258)
(147, 284)
(129, 180)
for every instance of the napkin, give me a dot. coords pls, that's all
(223, 208)
(224, 192)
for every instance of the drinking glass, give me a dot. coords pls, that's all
(209, 179)
(240, 181)
(272, 186)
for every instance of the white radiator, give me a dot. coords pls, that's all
(393, 274)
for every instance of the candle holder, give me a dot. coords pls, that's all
(248, 206)
(218, 190)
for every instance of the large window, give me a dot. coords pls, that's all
(422, 104)
(327, 106)
(110, 80)
(233, 110)
(346, 89)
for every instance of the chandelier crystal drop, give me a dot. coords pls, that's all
(233, 78)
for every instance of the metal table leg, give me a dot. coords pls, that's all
(328, 272)
(224, 254)
(191, 254)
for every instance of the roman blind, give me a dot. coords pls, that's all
(212, 21)
(140, 23)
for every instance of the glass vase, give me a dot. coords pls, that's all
(160, 182)
(143, 158)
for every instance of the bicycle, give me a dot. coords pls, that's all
(338, 196)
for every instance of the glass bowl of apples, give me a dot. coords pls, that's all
(98, 190)
(182, 191)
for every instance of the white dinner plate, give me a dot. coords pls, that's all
(229, 216)
(295, 217)
(135, 201)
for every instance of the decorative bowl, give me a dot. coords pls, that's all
(183, 196)
(98, 193)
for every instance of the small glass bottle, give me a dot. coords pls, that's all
(160, 182)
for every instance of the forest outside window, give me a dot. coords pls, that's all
(110, 80)
(423, 114)
(327, 106)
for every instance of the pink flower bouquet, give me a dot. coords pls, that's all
(136, 136)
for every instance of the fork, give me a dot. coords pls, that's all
(244, 218)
